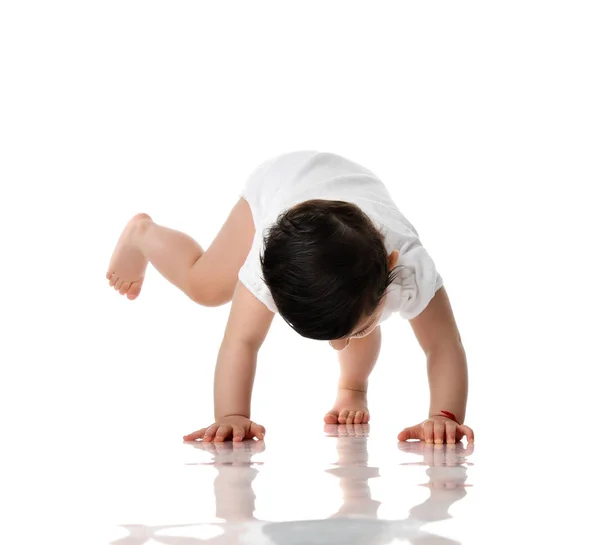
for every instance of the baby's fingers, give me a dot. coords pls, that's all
(210, 433)
(196, 435)
(468, 432)
(238, 433)
(450, 433)
(439, 428)
(256, 430)
(223, 433)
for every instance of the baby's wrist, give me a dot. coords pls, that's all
(445, 414)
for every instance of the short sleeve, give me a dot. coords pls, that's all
(251, 274)
(417, 281)
(256, 175)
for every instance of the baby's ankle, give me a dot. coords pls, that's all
(143, 222)
(357, 388)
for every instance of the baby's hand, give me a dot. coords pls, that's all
(437, 429)
(233, 427)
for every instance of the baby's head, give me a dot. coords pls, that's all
(327, 269)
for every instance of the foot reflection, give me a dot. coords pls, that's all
(352, 470)
(355, 522)
(360, 524)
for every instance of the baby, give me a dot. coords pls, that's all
(316, 238)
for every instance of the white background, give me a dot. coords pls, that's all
(481, 118)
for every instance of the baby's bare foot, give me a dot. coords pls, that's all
(128, 264)
(350, 408)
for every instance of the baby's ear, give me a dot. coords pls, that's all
(393, 259)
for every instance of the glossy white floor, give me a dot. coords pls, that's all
(94, 412)
(334, 485)
(342, 486)
(481, 118)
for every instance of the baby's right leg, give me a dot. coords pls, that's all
(207, 277)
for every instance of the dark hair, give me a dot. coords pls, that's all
(326, 266)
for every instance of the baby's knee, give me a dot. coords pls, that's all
(208, 296)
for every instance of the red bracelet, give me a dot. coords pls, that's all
(450, 415)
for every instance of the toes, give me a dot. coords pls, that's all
(350, 418)
(109, 274)
(124, 287)
(366, 417)
(131, 289)
(358, 417)
(343, 416)
(331, 418)
(134, 290)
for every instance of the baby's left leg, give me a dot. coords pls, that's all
(356, 363)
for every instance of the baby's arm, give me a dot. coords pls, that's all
(437, 333)
(248, 324)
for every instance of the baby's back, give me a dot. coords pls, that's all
(291, 178)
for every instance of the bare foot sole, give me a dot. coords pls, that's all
(350, 408)
(127, 264)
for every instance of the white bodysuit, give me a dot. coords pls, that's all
(291, 178)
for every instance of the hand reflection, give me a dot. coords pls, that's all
(447, 471)
(357, 519)
(234, 497)
(231, 452)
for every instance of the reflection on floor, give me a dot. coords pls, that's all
(346, 488)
